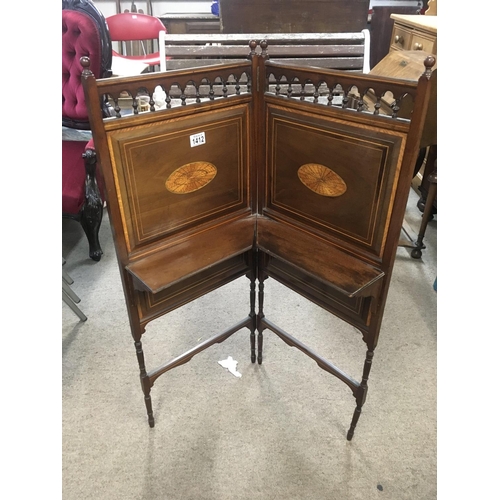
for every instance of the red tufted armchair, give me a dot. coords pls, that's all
(84, 33)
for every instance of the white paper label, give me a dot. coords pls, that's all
(197, 139)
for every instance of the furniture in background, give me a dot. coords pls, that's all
(84, 33)
(381, 27)
(182, 24)
(69, 297)
(263, 182)
(419, 33)
(414, 32)
(142, 29)
(293, 16)
(344, 51)
(406, 65)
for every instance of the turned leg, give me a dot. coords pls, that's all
(260, 316)
(252, 276)
(145, 383)
(253, 316)
(361, 394)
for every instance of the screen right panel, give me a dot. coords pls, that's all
(332, 175)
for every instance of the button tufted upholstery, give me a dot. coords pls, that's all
(84, 33)
(80, 37)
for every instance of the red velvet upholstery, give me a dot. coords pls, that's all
(84, 33)
(80, 37)
(74, 175)
(130, 26)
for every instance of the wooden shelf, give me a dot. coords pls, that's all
(349, 275)
(190, 255)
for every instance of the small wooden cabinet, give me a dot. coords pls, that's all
(412, 32)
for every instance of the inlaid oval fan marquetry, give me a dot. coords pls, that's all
(191, 177)
(321, 180)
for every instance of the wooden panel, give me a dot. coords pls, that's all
(293, 16)
(149, 159)
(365, 159)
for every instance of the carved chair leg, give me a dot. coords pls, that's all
(92, 209)
(427, 215)
(90, 220)
(361, 394)
(145, 383)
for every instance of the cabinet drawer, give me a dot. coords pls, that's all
(419, 42)
(401, 39)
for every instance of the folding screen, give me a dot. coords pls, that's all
(296, 180)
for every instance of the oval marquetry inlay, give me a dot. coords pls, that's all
(191, 177)
(321, 180)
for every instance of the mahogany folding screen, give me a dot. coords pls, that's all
(263, 170)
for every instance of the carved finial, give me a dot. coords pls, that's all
(85, 62)
(253, 45)
(429, 62)
(263, 46)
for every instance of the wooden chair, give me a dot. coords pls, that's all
(84, 33)
(259, 181)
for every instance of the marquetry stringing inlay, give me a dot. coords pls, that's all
(321, 180)
(191, 177)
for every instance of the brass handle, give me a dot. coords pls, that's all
(398, 39)
(418, 46)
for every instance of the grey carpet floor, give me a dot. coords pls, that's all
(279, 431)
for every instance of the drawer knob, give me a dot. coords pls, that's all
(418, 46)
(398, 39)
